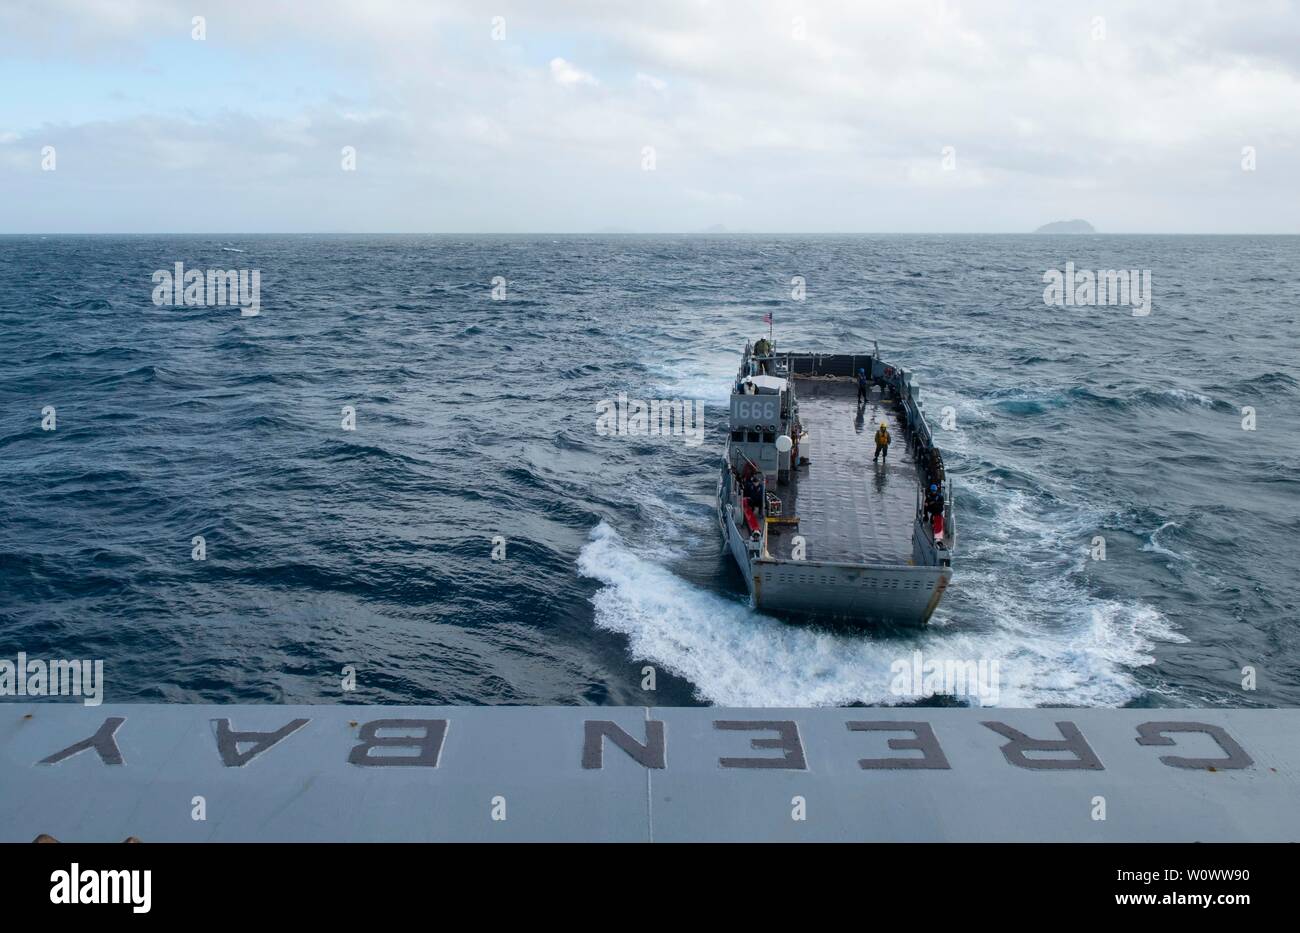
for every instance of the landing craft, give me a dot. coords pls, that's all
(818, 528)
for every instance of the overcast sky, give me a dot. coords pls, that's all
(763, 115)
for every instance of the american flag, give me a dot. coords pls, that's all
(767, 318)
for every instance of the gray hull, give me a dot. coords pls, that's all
(842, 592)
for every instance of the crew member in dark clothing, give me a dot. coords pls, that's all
(934, 501)
(862, 386)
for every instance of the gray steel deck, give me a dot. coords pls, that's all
(849, 509)
(344, 773)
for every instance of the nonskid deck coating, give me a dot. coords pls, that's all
(350, 773)
(850, 509)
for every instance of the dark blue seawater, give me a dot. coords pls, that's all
(476, 418)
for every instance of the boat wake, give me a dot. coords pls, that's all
(733, 655)
(708, 380)
(1020, 599)
(738, 657)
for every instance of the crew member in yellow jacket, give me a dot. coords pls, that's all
(882, 442)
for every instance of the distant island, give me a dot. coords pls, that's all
(1066, 226)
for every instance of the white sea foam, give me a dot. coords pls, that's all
(708, 378)
(734, 656)
(1187, 395)
(738, 657)
(1155, 547)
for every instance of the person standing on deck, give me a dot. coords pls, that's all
(934, 510)
(882, 442)
(862, 387)
(934, 501)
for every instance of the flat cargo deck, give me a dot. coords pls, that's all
(849, 509)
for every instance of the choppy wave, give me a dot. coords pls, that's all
(475, 434)
(1155, 547)
(1021, 402)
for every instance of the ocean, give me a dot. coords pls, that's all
(366, 556)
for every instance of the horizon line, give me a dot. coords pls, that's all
(614, 233)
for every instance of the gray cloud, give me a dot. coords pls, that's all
(752, 127)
